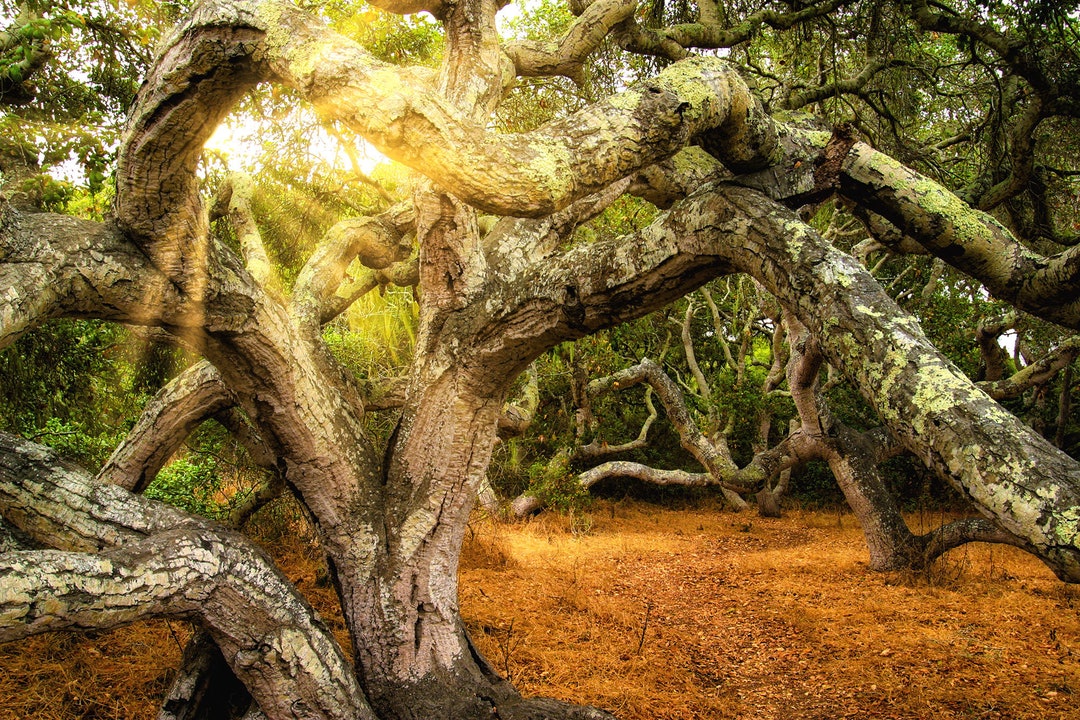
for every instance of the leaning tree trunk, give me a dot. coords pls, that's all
(926, 403)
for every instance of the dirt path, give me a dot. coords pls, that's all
(697, 614)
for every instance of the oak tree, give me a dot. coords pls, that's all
(500, 280)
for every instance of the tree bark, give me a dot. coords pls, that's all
(1011, 474)
(126, 558)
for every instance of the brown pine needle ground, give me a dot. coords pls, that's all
(657, 613)
(699, 614)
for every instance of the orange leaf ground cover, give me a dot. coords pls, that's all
(701, 614)
(676, 614)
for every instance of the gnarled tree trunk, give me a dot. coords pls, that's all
(391, 520)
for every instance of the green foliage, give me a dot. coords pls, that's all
(375, 339)
(78, 443)
(556, 485)
(813, 486)
(626, 215)
(60, 370)
(68, 71)
(189, 483)
(78, 385)
(949, 319)
(398, 39)
(47, 193)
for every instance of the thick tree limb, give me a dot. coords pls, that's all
(566, 55)
(959, 532)
(151, 560)
(634, 37)
(1010, 473)
(196, 80)
(271, 638)
(168, 419)
(57, 265)
(668, 181)
(211, 61)
(925, 213)
(854, 458)
(969, 240)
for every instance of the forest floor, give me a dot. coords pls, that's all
(657, 613)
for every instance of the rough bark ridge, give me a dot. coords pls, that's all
(391, 520)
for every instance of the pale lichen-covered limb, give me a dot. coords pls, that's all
(701, 385)
(666, 182)
(968, 239)
(926, 217)
(125, 557)
(269, 635)
(535, 173)
(645, 473)
(566, 55)
(208, 64)
(1010, 473)
(854, 459)
(596, 449)
(717, 462)
(168, 419)
(513, 243)
(721, 471)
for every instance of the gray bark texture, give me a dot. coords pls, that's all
(89, 553)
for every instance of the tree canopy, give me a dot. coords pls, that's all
(856, 218)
